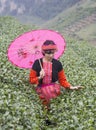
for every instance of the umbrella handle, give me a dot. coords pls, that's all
(40, 64)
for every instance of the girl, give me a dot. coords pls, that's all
(48, 74)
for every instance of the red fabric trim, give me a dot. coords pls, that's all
(47, 66)
(62, 79)
(33, 77)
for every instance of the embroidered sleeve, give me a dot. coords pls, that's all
(62, 79)
(33, 77)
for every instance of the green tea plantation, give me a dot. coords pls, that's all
(20, 107)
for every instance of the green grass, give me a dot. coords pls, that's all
(88, 33)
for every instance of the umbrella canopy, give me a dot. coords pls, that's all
(26, 48)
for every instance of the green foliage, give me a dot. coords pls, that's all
(20, 108)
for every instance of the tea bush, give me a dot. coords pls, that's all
(20, 108)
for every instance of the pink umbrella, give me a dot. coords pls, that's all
(26, 48)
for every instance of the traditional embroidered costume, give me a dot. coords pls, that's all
(47, 87)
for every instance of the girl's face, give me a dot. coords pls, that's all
(49, 54)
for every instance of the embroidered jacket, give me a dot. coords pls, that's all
(57, 73)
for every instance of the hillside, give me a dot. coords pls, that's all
(76, 20)
(20, 107)
(34, 11)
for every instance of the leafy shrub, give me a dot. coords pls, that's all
(20, 108)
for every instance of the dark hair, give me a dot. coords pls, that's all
(49, 42)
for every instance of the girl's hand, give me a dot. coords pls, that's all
(42, 74)
(76, 87)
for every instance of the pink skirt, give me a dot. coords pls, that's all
(48, 91)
